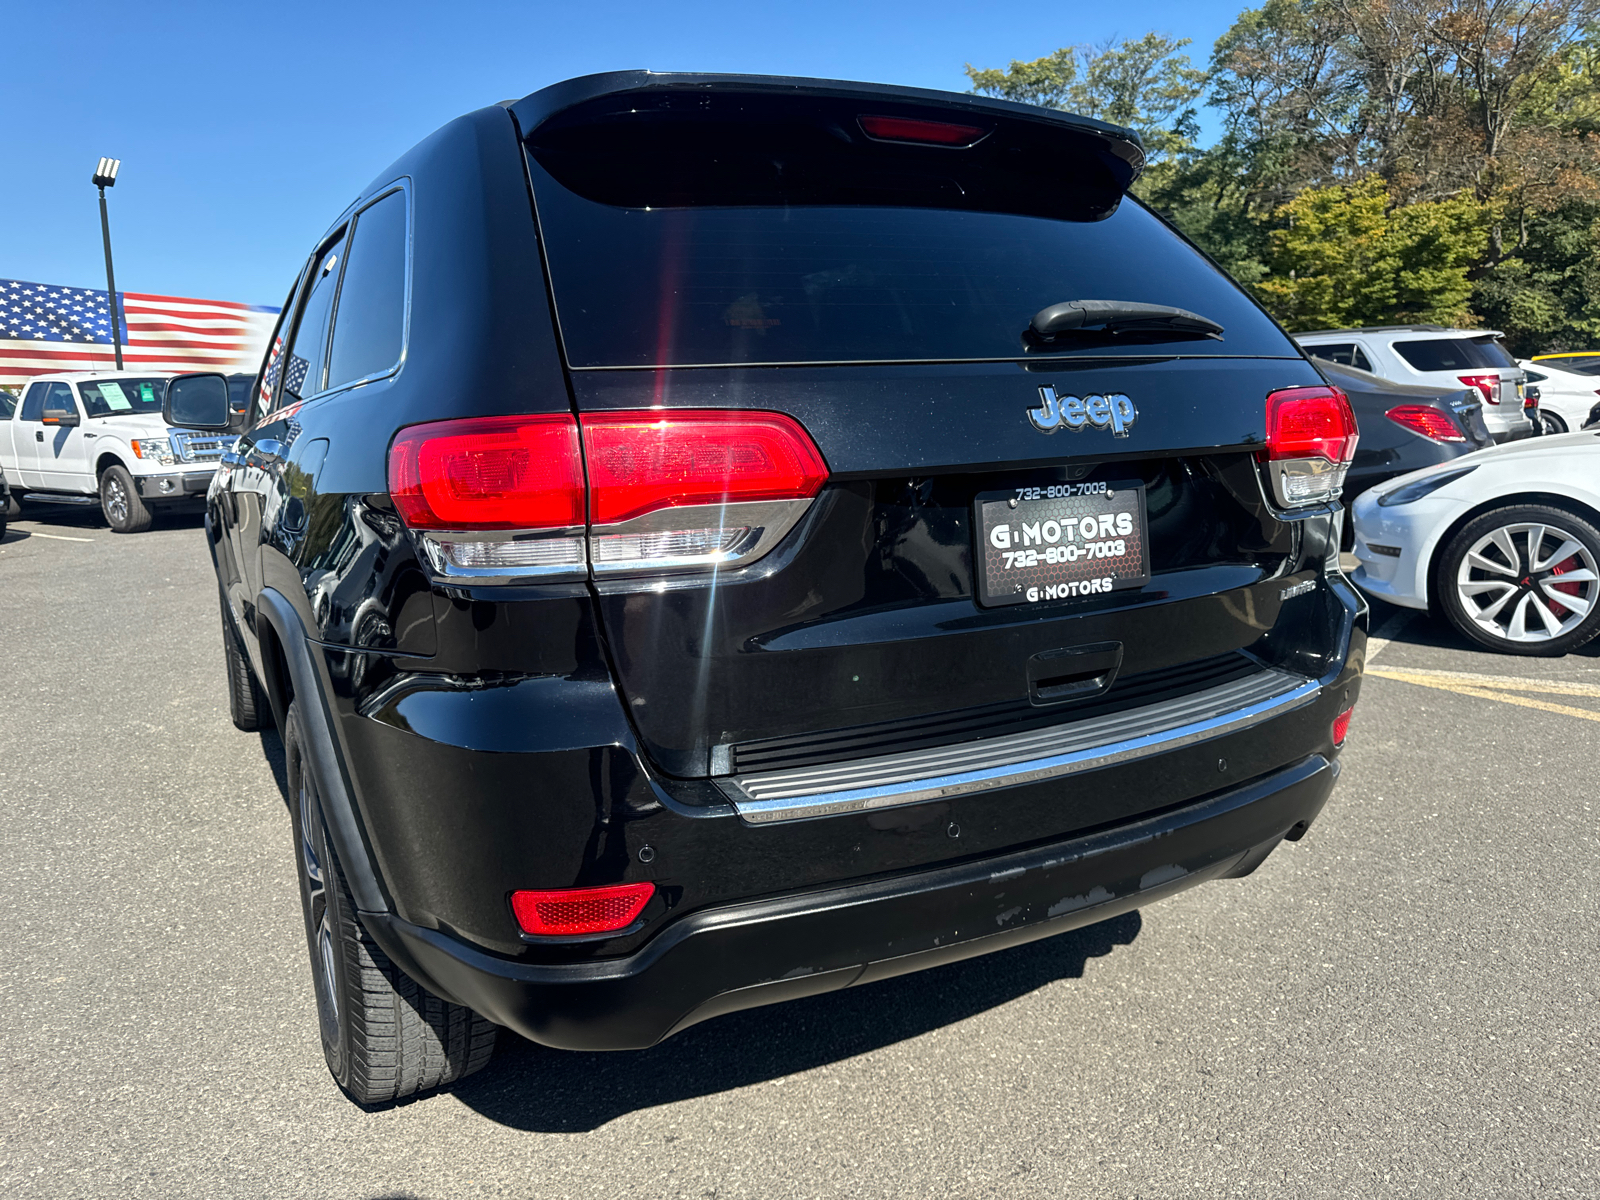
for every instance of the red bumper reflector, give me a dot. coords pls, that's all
(489, 473)
(1429, 422)
(1341, 726)
(930, 133)
(570, 911)
(643, 461)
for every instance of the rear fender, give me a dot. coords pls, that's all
(322, 755)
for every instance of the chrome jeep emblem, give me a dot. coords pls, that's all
(1114, 411)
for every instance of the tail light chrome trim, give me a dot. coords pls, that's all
(505, 555)
(730, 535)
(920, 775)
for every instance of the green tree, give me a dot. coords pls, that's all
(1343, 255)
(1146, 85)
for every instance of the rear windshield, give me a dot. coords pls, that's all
(1454, 354)
(818, 283)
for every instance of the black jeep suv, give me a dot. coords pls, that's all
(707, 540)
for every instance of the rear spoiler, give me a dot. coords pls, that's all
(593, 115)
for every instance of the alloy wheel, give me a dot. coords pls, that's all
(321, 917)
(1527, 582)
(116, 500)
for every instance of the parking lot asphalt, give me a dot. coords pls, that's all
(1406, 1003)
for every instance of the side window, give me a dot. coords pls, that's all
(302, 373)
(370, 323)
(272, 366)
(33, 403)
(1535, 377)
(8, 405)
(1346, 354)
(61, 397)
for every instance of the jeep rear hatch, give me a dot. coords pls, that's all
(869, 265)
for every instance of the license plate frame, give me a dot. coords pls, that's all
(1025, 564)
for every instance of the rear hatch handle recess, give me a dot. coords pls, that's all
(1074, 673)
(1113, 317)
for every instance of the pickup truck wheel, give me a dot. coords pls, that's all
(1523, 579)
(120, 502)
(384, 1037)
(247, 703)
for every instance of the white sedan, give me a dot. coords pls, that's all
(1565, 397)
(1504, 543)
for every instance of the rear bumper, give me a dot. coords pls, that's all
(731, 957)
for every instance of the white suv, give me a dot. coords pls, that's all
(1433, 354)
(98, 437)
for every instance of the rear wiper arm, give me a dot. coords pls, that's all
(1116, 317)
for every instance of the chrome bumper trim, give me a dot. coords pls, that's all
(1019, 758)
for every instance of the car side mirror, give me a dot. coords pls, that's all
(59, 416)
(197, 401)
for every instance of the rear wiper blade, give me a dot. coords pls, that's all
(1055, 324)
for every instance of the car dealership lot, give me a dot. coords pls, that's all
(1405, 1003)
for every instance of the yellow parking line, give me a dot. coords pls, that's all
(1509, 683)
(1465, 683)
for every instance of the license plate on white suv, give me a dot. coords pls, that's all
(1064, 541)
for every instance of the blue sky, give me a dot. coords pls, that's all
(245, 129)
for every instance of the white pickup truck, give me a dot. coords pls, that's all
(98, 438)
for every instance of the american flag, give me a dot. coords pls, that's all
(46, 328)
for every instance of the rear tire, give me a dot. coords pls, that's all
(1552, 423)
(384, 1037)
(1523, 579)
(120, 502)
(247, 703)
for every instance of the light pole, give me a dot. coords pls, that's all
(105, 176)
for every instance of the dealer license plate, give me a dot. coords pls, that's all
(1066, 541)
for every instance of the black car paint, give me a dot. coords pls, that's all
(469, 741)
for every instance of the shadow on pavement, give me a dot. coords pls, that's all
(1436, 633)
(89, 517)
(532, 1088)
(277, 762)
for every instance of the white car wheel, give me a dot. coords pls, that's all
(1524, 579)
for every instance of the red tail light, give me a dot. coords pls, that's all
(1488, 386)
(572, 911)
(667, 490)
(1311, 439)
(1341, 726)
(1429, 422)
(931, 133)
(489, 473)
(641, 462)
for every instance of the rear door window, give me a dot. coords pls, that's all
(303, 372)
(369, 327)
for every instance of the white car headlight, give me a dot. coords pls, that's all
(1410, 493)
(155, 449)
